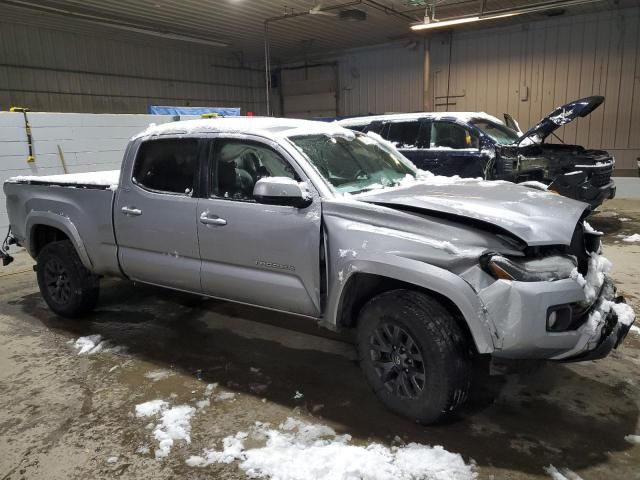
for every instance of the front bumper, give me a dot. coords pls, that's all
(578, 186)
(519, 312)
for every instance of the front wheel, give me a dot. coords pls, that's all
(69, 289)
(414, 355)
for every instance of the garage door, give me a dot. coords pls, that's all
(310, 91)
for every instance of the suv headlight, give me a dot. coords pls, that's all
(555, 267)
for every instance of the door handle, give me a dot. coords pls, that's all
(134, 212)
(207, 220)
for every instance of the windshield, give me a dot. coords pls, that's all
(354, 165)
(500, 133)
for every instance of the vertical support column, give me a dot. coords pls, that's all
(427, 91)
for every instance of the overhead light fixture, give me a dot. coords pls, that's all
(432, 24)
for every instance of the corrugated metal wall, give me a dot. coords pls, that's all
(310, 91)
(50, 70)
(529, 69)
(384, 79)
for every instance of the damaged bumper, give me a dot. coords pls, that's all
(523, 311)
(592, 188)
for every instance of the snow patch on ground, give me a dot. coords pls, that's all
(562, 474)
(221, 397)
(632, 238)
(173, 423)
(232, 448)
(297, 450)
(157, 375)
(150, 408)
(93, 344)
(633, 439)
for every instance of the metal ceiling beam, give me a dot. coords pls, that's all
(116, 23)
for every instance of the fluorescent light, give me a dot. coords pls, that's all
(457, 21)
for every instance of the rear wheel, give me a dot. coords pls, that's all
(414, 355)
(69, 289)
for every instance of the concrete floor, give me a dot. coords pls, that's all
(63, 415)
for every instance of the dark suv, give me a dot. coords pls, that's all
(474, 144)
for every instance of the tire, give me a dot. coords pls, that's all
(69, 289)
(414, 355)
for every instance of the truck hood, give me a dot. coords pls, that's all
(535, 217)
(561, 116)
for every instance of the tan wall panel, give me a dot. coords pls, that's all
(528, 70)
(51, 70)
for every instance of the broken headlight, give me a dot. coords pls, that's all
(550, 268)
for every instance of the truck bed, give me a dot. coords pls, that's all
(79, 205)
(107, 179)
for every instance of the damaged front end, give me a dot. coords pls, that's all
(558, 305)
(608, 323)
(569, 170)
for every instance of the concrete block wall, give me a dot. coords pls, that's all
(89, 142)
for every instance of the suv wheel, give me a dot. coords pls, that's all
(69, 289)
(414, 355)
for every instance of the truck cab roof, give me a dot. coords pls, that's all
(263, 126)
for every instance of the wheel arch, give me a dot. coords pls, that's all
(47, 227)
(453, 292)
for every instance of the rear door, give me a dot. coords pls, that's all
(411, 138)
(266, 255)
(155, 215)
(453, 150)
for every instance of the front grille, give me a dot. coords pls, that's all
(601, 175)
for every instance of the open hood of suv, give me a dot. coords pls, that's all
(535, 217)
(561, 116)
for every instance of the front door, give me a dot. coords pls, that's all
(155, 215)
(266, 255)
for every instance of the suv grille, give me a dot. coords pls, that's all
(601, 175)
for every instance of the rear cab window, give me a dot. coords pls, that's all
(167, 165)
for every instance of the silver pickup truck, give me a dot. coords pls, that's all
(336, 226)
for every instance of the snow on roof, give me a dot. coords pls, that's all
(459, 116)
(106, 178)
(266, 126)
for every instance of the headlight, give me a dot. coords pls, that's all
(555, 267)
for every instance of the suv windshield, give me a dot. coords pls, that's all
(355, 165)
(500, 133)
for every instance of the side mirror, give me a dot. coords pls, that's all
(281, 191)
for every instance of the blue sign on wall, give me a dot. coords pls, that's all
(165, 110)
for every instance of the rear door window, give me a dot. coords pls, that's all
(167, 165)
(447, 135)
(406, 134)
